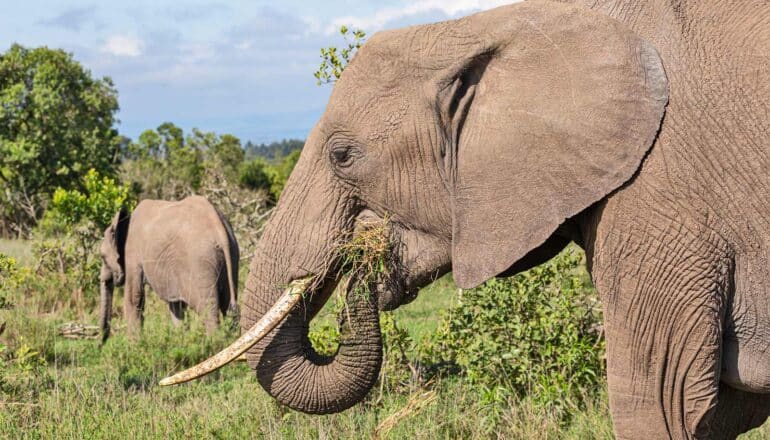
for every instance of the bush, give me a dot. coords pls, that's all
(334, 61)
(9, 277)
(22, 372)
(258, 174)
(103, 197)
(254, 175)
(163, 164)
(536, 334)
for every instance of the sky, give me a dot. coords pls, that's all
(243, 67)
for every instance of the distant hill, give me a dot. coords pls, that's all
(272, 150)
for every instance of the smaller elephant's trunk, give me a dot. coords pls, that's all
(106, 288)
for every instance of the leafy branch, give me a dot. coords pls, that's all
(334, 61)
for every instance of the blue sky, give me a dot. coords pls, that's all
(234, 66)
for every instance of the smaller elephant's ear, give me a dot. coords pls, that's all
(550, 114)
(118, 231)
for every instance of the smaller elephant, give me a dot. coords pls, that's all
(185, 250)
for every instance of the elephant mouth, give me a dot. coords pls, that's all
(291, 296)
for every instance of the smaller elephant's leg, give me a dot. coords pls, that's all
(211, 315)
(204, 302)
(177, 309)
(133, 301)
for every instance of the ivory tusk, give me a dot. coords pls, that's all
(269, 321)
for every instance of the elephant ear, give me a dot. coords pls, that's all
(119, 233)
(554, 113)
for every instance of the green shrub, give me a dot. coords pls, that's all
(8, 274)
(258, 174)
(101, 199)
(536, 334)
(254, 175)
(22, 372)
(280, 173)
(163, 164)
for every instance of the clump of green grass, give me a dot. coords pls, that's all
(367, 254)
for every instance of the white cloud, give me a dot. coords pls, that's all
(123, 46)
(381, 18)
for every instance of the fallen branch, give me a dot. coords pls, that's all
(18, 404)
(73, 330)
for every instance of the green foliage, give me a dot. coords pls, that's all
(273, 150)
(536, 334)
(401, 370)
(258, 174)
(9, 280)
(334, 61)
(255, 174)
(224, 153)
(279, 174)
(96, 205)
(21, 372)
(56, 123)
(162, 164)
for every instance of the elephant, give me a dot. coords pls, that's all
(185, 250)
(638, 130)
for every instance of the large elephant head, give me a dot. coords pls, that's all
(112, 252)
(477, 138)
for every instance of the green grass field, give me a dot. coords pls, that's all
(62, 388)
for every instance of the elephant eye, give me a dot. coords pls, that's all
(341, 156)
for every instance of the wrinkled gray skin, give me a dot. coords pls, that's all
(494, 140)
(184, 250)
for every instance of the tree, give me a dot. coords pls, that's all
(223, 152)
(259, 174)
(56, 123)
(254, 175)
(162, 164)
(273, 150)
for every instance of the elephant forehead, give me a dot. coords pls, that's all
(389, 121)
(373, 118)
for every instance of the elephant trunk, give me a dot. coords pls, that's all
(290, 370)
(106, 288)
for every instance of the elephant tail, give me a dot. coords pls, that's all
(232, 278)
(232, 258)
